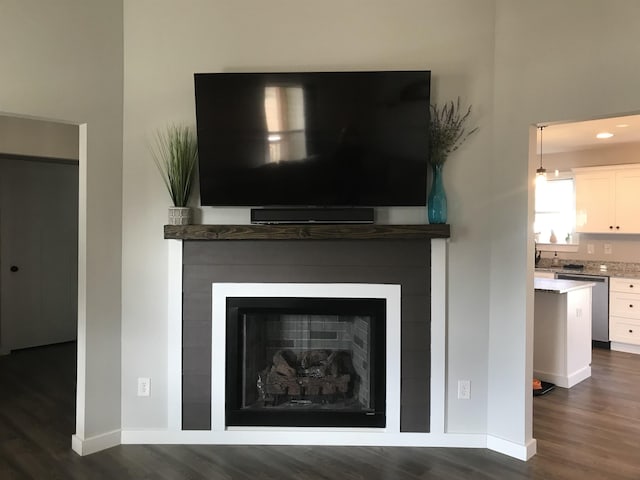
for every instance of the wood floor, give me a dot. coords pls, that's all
(591, 431)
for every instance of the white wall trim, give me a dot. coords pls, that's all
(174, 336)
(564, 381)
(81, 346)
(315, 437)
(625, 347)
(96, 443)
(515, 450)
(438, 386)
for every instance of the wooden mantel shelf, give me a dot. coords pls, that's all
(306, 232)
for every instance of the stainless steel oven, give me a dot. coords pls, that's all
(599, 308)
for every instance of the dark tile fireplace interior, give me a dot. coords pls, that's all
(305, 362)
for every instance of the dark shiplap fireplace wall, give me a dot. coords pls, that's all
(405, 262)
(410, 258)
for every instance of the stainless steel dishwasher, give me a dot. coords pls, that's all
(599, 306)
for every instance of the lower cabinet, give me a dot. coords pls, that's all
(624, 314)
(562, 335)
(544, 274)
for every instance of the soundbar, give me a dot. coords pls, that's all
(280, 215)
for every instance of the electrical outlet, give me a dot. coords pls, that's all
(144, 386)
(608, 250)
(464, 389)
(590, 248)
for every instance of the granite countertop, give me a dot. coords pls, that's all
(613, 269)
(559, 286)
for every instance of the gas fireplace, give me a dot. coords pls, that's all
(305, 362)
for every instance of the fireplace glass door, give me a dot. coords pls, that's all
(312, 362)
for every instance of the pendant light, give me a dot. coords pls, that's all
(541, 173)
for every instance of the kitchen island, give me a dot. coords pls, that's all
(562, 331)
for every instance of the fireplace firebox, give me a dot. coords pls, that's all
(305, 362)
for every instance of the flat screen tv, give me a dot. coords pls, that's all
(328, 139)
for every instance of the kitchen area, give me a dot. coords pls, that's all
(587, 233)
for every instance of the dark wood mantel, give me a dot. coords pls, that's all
(306, 232)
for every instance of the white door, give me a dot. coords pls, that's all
(38, 253)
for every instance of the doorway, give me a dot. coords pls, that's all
(38, 251)
(39, 204)
(39, 186)
(603, 143)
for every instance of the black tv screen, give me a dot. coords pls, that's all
(313, 138)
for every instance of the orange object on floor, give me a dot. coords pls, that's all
(537, 385)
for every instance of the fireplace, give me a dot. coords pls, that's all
(209, 271)
(400, 265)
(305, 356)
(305, 362)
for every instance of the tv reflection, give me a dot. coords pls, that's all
(285, 119)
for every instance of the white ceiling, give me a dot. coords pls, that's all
(564, 137)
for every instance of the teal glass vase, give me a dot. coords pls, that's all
(437, 199)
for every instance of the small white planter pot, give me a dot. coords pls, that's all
(179, 215)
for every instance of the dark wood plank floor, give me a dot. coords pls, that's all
(591, 431)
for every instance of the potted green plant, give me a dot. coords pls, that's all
(175, 153)
(446, 133)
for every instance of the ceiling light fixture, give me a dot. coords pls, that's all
(541, 173)
(603, 135)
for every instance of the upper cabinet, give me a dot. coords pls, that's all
(608, 199)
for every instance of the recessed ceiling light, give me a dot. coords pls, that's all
(602, 135)
(622, 125)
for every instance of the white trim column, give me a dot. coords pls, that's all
(438, 388)
(174, 336)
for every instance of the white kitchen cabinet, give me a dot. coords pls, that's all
(544, 274)
(624, 314)
(628, 200)
(607, 199)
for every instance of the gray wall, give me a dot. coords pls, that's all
(455, 39)
(38, 138)
(402, 262)
(63, 61)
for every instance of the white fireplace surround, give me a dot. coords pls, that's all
(389, 436)
(220, 293)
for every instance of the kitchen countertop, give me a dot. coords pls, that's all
(617, 269)
(559, 286)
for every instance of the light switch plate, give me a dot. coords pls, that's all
(608, 250)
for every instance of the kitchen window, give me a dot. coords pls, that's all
(555, 211)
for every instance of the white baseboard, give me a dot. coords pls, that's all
(515, 450)
(579, 376)
(159, 437)
(625, 347)
(309, 437)
(97, 443)
(564, 381)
